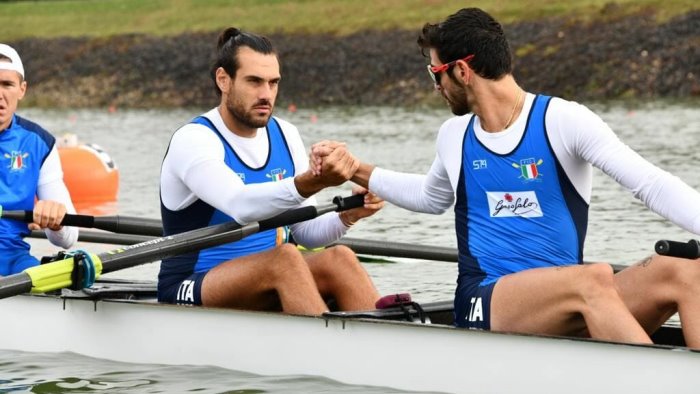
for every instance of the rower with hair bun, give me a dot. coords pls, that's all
(238, 162)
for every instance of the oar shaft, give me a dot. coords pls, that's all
(164, 247)
(399, 249)
(160, 248)
(15, 284)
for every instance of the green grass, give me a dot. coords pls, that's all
(100, 18)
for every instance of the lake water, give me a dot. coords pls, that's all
(621, 229)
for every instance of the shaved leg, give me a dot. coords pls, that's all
(264, 281)
(659, 286)
(339, 274)
(564, 301)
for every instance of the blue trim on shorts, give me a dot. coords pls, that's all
(473, 304)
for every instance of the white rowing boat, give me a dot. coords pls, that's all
(122, 322)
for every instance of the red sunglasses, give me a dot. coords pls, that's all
(434, 71)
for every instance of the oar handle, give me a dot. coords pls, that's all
(68, 219)
(116, 224)
(686, 250)
(305, 213)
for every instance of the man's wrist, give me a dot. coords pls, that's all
(363, 174)
(346, 219)
(307, 184)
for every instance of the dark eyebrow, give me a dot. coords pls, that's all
(257, 78)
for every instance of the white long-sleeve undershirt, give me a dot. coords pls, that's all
(579, 139)
(50, 186)
(194, 168)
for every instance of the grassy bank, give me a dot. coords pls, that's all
(100, 18)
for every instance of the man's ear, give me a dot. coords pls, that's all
(223, 80)
(22, 89)
(464, 71)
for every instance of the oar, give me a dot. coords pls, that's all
(60, 274)
(116, 224)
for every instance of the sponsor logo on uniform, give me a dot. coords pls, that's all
(276, 175)
(185, 294)
(241, 175)
(479, 164)
(16, 160)
(476, 311)
(509, 204)
(528, 169)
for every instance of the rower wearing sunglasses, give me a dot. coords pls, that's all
(518, 168)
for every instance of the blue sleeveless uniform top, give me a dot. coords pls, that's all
(518, 210)
(279, 165)
(24, 146)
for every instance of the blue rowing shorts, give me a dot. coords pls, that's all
(473, 304)
(16, 261)
(187, 292)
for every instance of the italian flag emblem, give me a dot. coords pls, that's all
(276, 175)
(16, 160)
(528, 168)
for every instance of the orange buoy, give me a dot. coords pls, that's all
(89, 173)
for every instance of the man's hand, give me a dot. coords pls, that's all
(48, 214)
(319, 151)
(372, 205)
(338, 166)
(333, 166)
(322, 149)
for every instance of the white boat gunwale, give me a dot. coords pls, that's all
(352, 350)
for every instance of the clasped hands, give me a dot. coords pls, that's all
(332, 161)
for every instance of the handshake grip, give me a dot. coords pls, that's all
(686, 250)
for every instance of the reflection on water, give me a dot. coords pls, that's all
(621, 229)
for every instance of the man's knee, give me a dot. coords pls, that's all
(287, 258)
(287, 251)
(598, 278)
(341, 253)
(676, 271)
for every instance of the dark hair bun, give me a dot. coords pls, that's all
(226, 35)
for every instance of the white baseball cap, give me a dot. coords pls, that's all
(15, 63)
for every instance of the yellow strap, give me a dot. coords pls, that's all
(56, 275)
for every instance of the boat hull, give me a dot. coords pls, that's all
(395, 354)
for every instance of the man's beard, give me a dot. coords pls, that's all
(457, 100)
(238, 111)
